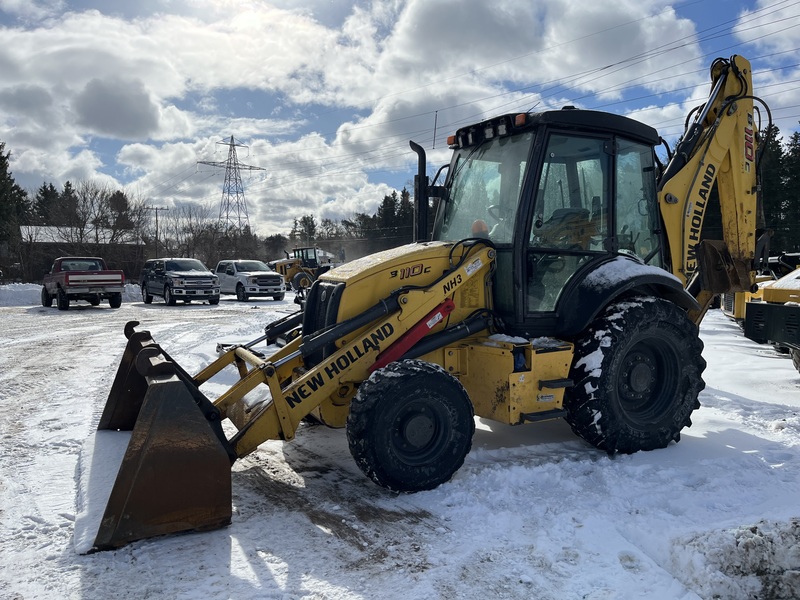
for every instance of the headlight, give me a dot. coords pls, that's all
(252, 280)
(215, 280)
(178, 281)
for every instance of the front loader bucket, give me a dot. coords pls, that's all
(159, 462)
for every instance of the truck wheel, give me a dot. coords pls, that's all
(637, 373)
(95, 301)
(62, 300)
(279, 297)
(115, 300)
(213, 301)
(148, 299)
(241, 295)
(169, 299)
(410, 426)
(301, 281)
(47, 299)
(796, 359)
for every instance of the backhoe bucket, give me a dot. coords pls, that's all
(159, 462)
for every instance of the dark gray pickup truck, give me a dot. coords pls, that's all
(176, 279)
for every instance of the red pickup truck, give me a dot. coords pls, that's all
(82, 278)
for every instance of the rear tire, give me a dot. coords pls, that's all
(148, 299)
(47, 299)
(241, 295)
(410, 426)
(169, 299)
(115, 300)
(62, 300)
(637, 373)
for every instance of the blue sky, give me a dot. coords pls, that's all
(326, 94)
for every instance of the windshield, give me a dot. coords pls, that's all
(252, 265)
(185, 264)
(484, 190)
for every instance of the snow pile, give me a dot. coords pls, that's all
(757, 561)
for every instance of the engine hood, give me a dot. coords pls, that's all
(189, 274)
(405, 264)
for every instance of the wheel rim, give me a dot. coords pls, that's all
(167, 295)
(648, 380)
(418, 432)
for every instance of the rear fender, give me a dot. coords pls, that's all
(593, 289)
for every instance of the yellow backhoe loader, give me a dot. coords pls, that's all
(565, 278)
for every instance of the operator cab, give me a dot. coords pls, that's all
(557, 193)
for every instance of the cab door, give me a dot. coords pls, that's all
(592, 198)
(224, 271)
(570, 223)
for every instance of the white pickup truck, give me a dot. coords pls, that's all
(248, 279)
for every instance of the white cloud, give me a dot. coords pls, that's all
(31, 9)
(116, 108)
(327, 94)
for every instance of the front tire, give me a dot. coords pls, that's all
(637, 373)
(213, 301)
(241, 295)
(47, 299)
(410, 426)
(169, 299)
(278, 297)
(796, 359)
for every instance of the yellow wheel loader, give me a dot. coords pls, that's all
(565, 278)
(300, 269)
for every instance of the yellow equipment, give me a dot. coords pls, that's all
(773, 315)
(565, 278)
(734, 304)
(301, 268)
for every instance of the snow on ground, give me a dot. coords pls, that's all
(533, 513)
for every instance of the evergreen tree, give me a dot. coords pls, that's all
(67, 213)
(773, 187)
(15, 206)
(791, 199)
(386, 216)
(45, 204)
(405, 217)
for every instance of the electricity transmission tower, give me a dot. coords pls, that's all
(233, 207)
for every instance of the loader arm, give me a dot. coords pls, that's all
(720, 146)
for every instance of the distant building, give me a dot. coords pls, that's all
(121, 249)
